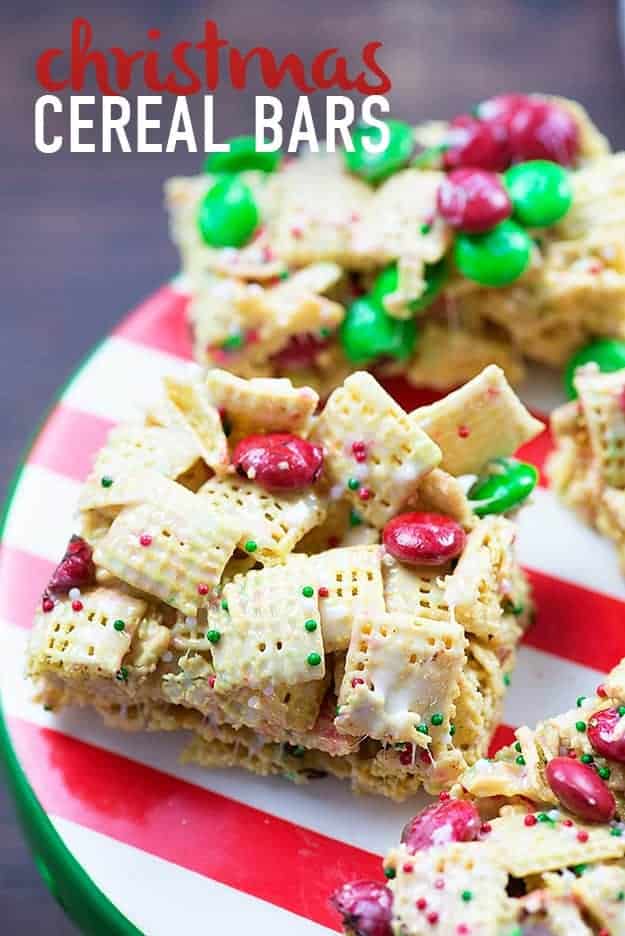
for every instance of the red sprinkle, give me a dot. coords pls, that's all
(405, 758)
(462, 929)
(202, 589)
(568, 823)
(333, 542)
(582, 836)
(421, 903)
(464, 432)
(296, 232)
(359, 451)
(145, 539)
(439, 884)
(77, 605)
(47, 605)
(211, 682)
(408, 868)
(357, 681)
(432, 918)
(486, 828)
(601, 688)
(364, 493)
(444, 796)
(323, 592)
(621, 403)
(530, 820)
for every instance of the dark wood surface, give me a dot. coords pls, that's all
(84, 237)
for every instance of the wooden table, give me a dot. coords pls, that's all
(85, 236)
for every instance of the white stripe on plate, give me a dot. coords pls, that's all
(150, 892)
(123, 378)
(553, 540)
(542, 685)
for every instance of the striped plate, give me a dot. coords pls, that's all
(129, 840)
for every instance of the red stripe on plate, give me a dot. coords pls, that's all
(504, 735)
(22, 580)
(69, 442)
(161, 323)
(576, 623)
(230, 842)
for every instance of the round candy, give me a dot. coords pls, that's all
(228, 214)
(449, 821)
(601, 734)
(506, 484)
(374, 167)
(423, 538)
(580, 789)
(542, 130)
(435, 277)
(366, 907)
(496, 258)
(278, 461)
(607, 353)
(540, 190)
(75, 570)
(473, 200)
(475, 144)
(242, 157)
(300, 350)
(369, 332)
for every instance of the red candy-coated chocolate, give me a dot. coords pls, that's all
(450, 821)
(580, 790)
(476, 144)
(366, 908)
(502, 107)
(423, 538)
(278, 461)
(473, 200)
(75, 570)
(601, 735)
(300, 350)
(540, 130)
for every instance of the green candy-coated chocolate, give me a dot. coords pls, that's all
(607, 353)
(505, 484)
(495, 258)
(228, 214)
(435, 277)
(242, 158)
(540, 192)
(374, 167)
(369, 332)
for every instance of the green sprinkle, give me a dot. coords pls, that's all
(325, 332)
(251, 546)
(520, 760)
(284, 275)
(604, 772)
(506, 679)
(617, 832)
(586, 758)
(353, 484)
(224, 604)
(226, 425)
(354, 518)
(517, 931)
(467, 895)
(233, 342)
(579, 869)
(580, 725)
(452, 730)
(425, 228)
(390, 873)
(118, 625)
(517, 746)
(214, 636)
(620, 896)
(47, 708)
(337, 710)
(423, 729)
(308, 591)
(122, 674)
(621, 710)
(437, 719)
(580, 700)
(543, 817)
(294, 750)
(311, 625)
(313, 659)
(106, 481)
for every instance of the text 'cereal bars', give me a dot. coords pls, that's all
(491, 238)
(308, 591)
(530, 843)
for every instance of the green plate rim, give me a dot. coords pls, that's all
(86, 905)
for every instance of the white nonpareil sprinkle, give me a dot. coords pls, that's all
(74, 594)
